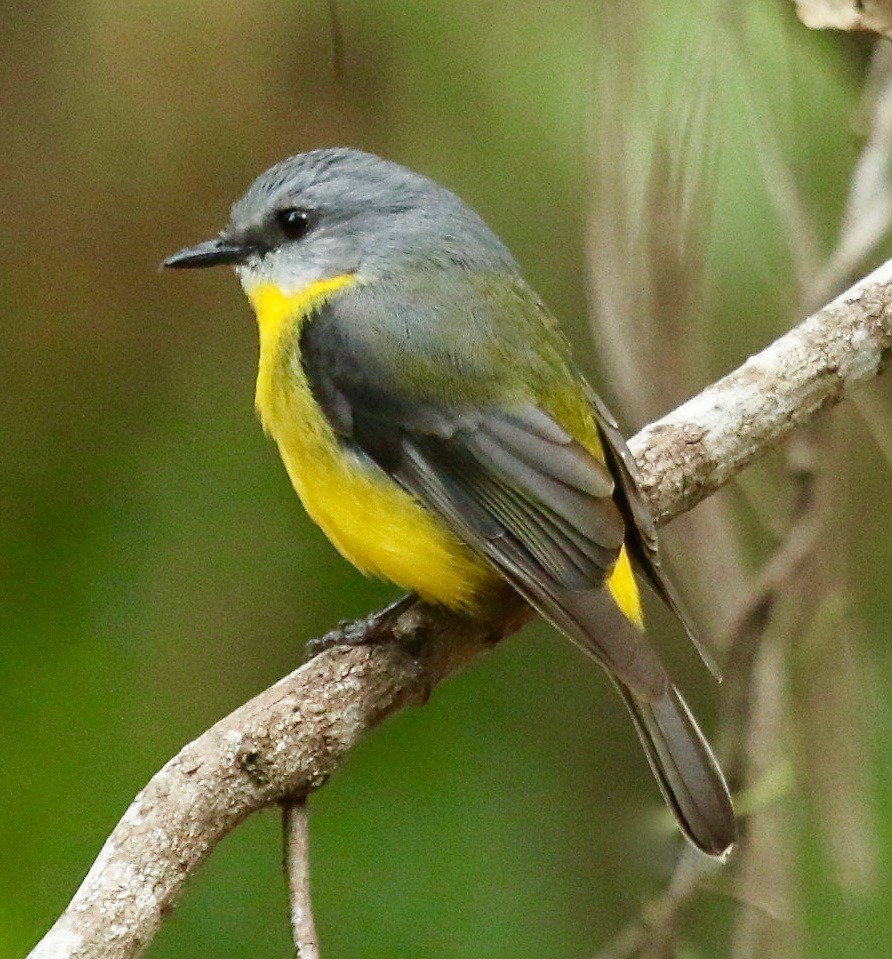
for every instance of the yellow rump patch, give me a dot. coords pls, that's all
(624, 589)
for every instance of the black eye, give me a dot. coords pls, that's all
(293, 222)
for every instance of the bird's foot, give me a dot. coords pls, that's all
(362, 632)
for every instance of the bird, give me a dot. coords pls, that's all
(434, 424)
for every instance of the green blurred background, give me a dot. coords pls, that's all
(156, 567)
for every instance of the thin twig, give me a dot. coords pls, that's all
(649, 933)
(296, 842)
(868, 212)
(785, 563)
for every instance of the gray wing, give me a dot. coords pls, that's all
(511, 483)
(641, 537)
(515, 486)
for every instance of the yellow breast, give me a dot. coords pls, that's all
(374, 523)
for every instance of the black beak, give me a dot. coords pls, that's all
(211, 253)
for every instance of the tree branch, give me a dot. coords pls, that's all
(287, 741)
(707, 441)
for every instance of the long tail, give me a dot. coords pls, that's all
(685, 768)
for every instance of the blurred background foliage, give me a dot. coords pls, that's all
(156, 567)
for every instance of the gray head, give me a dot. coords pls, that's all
(339, 211)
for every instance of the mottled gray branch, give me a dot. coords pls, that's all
(287, 741)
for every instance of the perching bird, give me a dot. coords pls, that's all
(434, 425)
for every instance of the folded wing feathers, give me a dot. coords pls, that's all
(552, 541)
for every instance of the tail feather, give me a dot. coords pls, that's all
(685, 768)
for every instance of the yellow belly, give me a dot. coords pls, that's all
(382, 530)
(373, 523)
